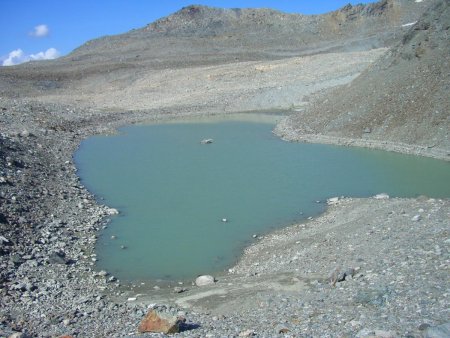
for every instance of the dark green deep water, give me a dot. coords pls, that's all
(173, 192)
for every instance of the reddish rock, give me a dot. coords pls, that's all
(156, 321)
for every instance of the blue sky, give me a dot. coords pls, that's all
(46, 29)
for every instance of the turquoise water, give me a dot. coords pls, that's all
(173, 192)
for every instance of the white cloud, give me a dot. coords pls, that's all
(18, 56)
(40, 31)
(14, 58)
(49, 54)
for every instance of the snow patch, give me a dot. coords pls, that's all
(409, 24)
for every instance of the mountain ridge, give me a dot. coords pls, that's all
(264, 32)
(250, 35)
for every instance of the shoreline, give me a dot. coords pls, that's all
(72, 216)
(287, 133)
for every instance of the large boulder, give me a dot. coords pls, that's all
(204, 280)
(160, 322)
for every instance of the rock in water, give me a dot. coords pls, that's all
(156, 321)
(112, 211)
(204, 280)
(382, 196)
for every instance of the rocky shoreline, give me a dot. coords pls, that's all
(286, 131)
(50, 287)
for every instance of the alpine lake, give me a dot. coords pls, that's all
(188, 208)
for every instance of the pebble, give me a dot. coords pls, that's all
(247, 333)
(416, 218)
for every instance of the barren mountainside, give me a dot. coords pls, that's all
(199, 35)
(404, 96)
(266, 33)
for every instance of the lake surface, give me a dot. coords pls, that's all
(173, 192)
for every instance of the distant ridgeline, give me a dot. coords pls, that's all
(249, 34)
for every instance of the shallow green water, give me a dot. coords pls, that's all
(173, 192)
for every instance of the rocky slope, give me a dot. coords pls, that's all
(403, 97)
